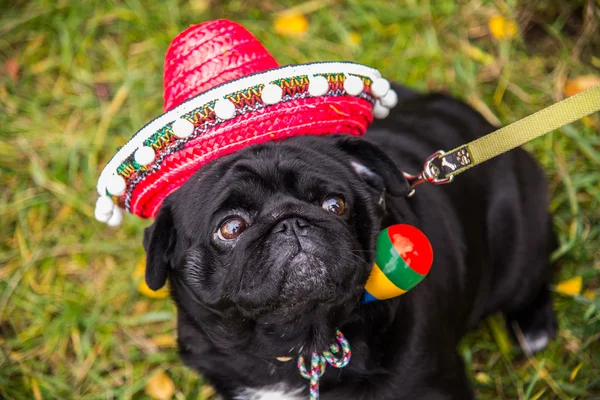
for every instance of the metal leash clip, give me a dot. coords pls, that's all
(429, 174)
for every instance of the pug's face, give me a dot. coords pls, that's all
(268, 249)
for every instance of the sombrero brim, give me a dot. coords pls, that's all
(316, 98)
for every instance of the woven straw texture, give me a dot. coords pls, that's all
(206, 55)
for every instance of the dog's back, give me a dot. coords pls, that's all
(501, 208)
(490, 231)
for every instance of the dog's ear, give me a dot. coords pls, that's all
(374, 166)
(159, 243)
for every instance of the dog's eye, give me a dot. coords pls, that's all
(335, 205)
(232, 228)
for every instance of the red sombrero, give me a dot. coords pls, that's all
(223, 91)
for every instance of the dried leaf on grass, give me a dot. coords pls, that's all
(570, 287)
(294, 25)
(164, 340)
(502, 28)
(483, 378)
(580, 83)
(354, 39)
(160, 387)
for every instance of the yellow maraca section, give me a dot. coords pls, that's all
(380, 287)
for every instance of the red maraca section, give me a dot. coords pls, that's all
(413, 246)
(209, 54)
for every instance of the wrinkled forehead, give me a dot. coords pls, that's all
(280, 173)
(264, 173)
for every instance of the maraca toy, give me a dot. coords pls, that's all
(403, 259)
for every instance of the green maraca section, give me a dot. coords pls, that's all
(393, 266)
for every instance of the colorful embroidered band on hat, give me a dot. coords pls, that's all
(223, 92)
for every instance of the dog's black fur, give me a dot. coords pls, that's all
(284, 285)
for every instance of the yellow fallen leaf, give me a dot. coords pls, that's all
(580, 83)
(575, 372)
(484, 378)
(354, 39)
(501, 28)
(164, 340)
(589, 294)
(160, 387)
(161, 293)
(291, 25)
(570, 287)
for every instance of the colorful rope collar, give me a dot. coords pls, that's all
(319, 362)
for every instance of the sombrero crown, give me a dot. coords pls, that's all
(223, 91)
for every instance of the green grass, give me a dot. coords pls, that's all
(72, 322)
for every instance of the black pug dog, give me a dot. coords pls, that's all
(268, 251)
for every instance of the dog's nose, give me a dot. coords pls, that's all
(292, 226)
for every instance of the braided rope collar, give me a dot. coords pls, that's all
(338, 356)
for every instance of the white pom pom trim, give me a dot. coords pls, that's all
(145, 155)
(104, 208)
(271, 94)
(104, 205)
(224, 109)
(102, 217)
(116, 185)
(380, 111)
(318, 86)
(116, 217)
(182, 128)
(390, 99)
(380, 87)
(353, 85)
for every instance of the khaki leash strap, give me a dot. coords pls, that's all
(441, 167)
